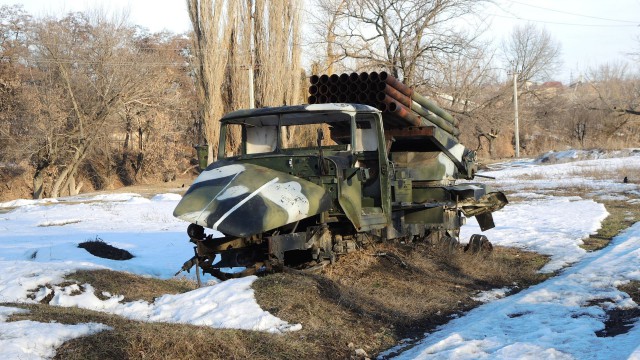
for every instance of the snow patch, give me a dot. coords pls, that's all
(111, 197)
(554, 319)
(167, 197)
(491, 295)
(25, 202)
(35, 340)
(58, 222)
(230, 305)
(553, 157)
(553, 226)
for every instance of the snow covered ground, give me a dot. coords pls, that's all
(38, 247)
(559, 318)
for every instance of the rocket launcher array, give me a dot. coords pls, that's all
(401, 106)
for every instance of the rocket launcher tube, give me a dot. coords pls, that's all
(407, 102)
(407, 115)
(407, 91)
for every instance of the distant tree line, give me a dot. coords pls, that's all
(90, 101)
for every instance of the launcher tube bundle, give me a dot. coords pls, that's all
(400, 104)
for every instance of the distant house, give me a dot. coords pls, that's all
(551, 84)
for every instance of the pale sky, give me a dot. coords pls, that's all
(591, 32)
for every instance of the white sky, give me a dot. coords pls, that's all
(586, 40)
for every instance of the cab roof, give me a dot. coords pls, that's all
(304, 108)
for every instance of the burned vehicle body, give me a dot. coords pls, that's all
(363, 177)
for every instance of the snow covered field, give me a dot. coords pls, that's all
(39, 246)
(557, 318)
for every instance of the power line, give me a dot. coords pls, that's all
(133, 48)
(571, 13)
(70, 61)
(516, 17)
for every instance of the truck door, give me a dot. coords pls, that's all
(364, 188)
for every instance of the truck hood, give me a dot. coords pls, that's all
(246, 199)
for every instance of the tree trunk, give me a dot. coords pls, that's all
(55, 190)
(69, 170)
(491, 147)
(38, 184)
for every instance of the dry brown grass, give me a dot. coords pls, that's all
(374, 301)
(139, 340)
(621, 216)
(633, 289)
(604, 173)
(534, 176)
(132, 287)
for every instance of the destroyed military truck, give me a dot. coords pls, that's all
(380, 166)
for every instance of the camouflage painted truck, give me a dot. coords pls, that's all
(378, 171)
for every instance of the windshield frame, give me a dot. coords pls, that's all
(281, 120)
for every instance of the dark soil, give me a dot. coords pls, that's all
(619, 321)
(103, 250)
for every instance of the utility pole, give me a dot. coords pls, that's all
(515, 110)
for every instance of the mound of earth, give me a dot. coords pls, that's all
(101, 249)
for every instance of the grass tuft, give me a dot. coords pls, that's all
(621, 216)
(132, 287)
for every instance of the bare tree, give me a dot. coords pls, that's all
(401, 36)
(464, 77)
(163, 91)
(90, 79)
(256, 35)
(616, 88)
(531, 52)
(86, 90)
(277, 52)
(14, 24)
(325, 17)
(611, 96)
(212, 26)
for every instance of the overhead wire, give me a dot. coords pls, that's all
(70, 61)
(516, 17)
(572, 13)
